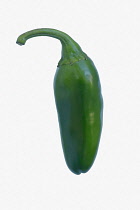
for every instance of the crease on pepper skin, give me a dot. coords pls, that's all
(78, 98)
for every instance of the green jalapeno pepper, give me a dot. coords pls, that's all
(78, 100)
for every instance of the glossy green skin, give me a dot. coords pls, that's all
(79, 105)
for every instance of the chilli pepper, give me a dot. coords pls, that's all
(78, 99)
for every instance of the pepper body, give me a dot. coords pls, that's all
(79, 105)
(79, 101)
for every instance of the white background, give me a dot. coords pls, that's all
(33, 173)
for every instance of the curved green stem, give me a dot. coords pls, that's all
(71, 51)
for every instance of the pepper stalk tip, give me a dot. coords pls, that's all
(20, 40)
(19, 43)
